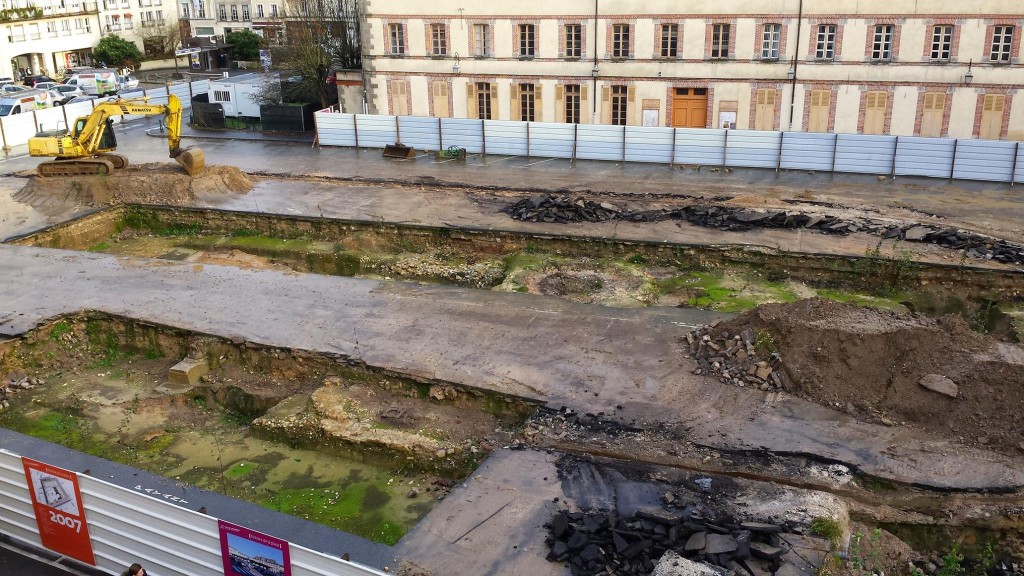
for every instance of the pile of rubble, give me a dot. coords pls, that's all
(561, 210)
(744, 359)
(14, 381)
(601, 543)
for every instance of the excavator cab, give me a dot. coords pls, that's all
(108, 141)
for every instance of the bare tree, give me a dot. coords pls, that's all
(320, 36)
(159, 38)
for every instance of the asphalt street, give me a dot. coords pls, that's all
(21, 562)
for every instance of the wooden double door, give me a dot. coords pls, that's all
(690, 108)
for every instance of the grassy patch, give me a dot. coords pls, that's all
(99, 247)
(888, 303)
(827, 528)
(59, 330)
(240, 470)
(344, 509)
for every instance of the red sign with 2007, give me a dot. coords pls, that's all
(57, 502)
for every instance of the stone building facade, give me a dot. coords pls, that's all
(921, 67)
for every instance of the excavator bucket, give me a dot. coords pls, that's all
(193, 161)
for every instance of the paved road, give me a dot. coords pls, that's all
(587, 357)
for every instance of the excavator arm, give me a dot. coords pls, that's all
(83, 150)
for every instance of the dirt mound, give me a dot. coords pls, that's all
(156, 183)
(871, 362)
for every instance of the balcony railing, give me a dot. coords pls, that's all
(113, 27)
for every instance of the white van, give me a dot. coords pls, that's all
(25, 102)
(97, 81)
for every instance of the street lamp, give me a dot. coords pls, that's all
(969, 77)
(595, 71)
(456, 67)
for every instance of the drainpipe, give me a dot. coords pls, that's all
(796, 61)
(594, 96)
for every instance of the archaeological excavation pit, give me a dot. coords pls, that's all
(585, 476)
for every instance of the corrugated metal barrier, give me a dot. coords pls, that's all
(126, 526)
(15, 130)
(994, 161)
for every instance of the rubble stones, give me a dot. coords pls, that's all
(563, 210)
(940, 384)
(605, 542)
(735, 360)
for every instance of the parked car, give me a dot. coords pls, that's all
(129, 82)
(45, 85)
(82, 98)
(65, 93)
(36, 78)
(13, 88)
(6, 80)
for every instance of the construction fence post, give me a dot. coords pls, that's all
(483, 137)
(398, 131)
(835, 150)
(623, 143)
(3, 134)
(895, 153)
(575, 139)
(952, 164)
(190, 94)
(672, 163)
(725, 149)
(1013, 167)
(527, 140)
(440, 139)
(778, 161)
(355, 128)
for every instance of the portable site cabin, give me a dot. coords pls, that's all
(240, 95)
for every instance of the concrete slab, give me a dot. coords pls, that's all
(590, 358)
(188, 371)
(494, 522)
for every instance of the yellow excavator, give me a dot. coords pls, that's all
(87, 148)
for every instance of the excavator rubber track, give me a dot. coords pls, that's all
(76, 167)
(192, 160)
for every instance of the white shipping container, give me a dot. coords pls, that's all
(239, 95)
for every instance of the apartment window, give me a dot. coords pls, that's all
(573, 41)
(483, 100)
(1002, 41)
(273, 10)
(201, 10)
(245, 13)
(222, 12)
(259, 10)
(438, 40)
(881, 44)
(619, 104)
(481, 39)
(234, 12)
(826, 46)
(620, 41)
(669, 40)
(771, 37)
(185, 10)
(527, 103)
(572, 103)
(397, 33)
(720, 41)
(128, 24)
(942, 43)
(527, 40)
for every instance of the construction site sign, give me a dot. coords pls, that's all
(250, 553)
(57, 503)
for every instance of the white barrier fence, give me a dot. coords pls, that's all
(988, 160)
(16, 129)
(126, 526)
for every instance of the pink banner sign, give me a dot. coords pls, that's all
(250, 553)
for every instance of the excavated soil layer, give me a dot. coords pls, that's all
(156, 183)
(869, 362)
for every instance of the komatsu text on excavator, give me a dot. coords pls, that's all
(87, 148)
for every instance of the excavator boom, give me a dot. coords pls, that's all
(86, 148)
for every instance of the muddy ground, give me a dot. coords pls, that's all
(154, 183)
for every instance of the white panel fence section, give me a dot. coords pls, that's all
(15, 130)
(126, 526)
(995, 161)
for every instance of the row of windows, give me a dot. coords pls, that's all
(943, 38)
(54, 28)
(222, 11)
(148, 18)
(933, 111)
